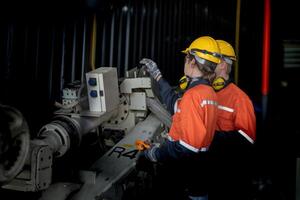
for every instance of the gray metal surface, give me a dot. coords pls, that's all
(56, 137)
(119, 161)
(160, 112)
(59, 191)
(38, 174)
(87, 124)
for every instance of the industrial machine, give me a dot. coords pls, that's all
(121, 110)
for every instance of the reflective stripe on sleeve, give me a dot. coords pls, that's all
(246, 136)
(170, 138)
(225, 108)
(175, 106)
(208, 102)
(176, 109)
(186, 145)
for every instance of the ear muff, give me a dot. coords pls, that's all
(183, 83)
(218, 83)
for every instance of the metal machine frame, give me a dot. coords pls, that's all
(127, 111)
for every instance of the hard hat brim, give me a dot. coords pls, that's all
(185, 51)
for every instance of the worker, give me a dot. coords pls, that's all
(194, 119)
(235, 133)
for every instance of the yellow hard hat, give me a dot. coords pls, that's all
(226, 49)
(205, 47)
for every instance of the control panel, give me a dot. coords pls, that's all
(103, 91)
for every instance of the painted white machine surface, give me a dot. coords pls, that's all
(118, 161)
(102, 86)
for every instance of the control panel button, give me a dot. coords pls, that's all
(92, 81)
(93, 93)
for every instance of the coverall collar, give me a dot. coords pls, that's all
(196, 81)
(227, 82)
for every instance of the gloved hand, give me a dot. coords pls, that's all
(146, 159)
(150, 153)
(152, 68)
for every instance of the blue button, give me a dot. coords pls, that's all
(93, 93)
(92, 81)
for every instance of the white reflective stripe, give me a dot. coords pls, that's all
(246, 136)
(170, 138)
(176, 109)
(186, 145)
(225, 108)
(208, 102)
(175, 106)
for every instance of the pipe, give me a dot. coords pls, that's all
(26, 42)
(83, 51)
(266, 57)
(62, 65)
(9, 48)
(141, 42)
(237, 40)
(93, 43)
(74, 54)
(159, 31)
(86, 124)
(112, 34)
(127, 42)
(36, 69)
(51, 65)
(148, 16)
(120, 30)
(155, 11)
(103, 47)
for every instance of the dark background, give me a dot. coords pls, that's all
(42, 43)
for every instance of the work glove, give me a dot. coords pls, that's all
(147, 149)
(146, 159)
(150, 153)
(151, 67)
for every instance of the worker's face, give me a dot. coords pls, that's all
(188, 69)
